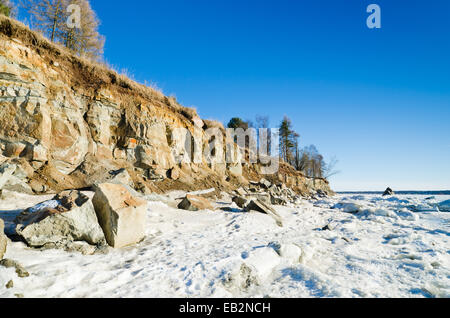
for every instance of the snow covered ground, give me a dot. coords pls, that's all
(386, 247)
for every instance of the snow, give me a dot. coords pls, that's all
(390, 247)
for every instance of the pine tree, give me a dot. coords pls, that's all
(237, 122)
(286, 139)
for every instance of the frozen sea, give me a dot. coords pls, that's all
(374, 246)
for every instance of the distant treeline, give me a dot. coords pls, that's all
(308, 160)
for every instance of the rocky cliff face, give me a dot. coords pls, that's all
(67, 123)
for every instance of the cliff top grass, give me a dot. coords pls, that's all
(87, 75)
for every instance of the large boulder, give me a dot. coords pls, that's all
(388, 192)
(194, 203)
(14, 178)
(67, 218)
(240, 201)
(262, 207)
(121, 214)
(265, 184)
(3, 239)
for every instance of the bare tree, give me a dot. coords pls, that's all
(47, 15)
(262, 121)
(51, 17)
(329, 169)
(83, 39)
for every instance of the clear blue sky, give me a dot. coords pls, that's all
(379, 100)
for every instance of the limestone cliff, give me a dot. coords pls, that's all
(68, 122)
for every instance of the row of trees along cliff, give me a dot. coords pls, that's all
(307, 160)
(50, 17)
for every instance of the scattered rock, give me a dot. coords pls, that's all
(328, 227)
(13, 178)
(321, 194)
(10, 284)
(346, 239)
(20, 271)
(195, 203)
(38, 186)
(81, 247)
(241, 191)
(174, 173)
(265, 183)
(259, 206)
(154, 175)
(121, 215)
(68, 217)
(240, 202)
(3, 239)
(388, 191)
(19, 295)
(121, 176)
(278, 200)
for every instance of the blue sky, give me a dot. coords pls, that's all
(377, 99)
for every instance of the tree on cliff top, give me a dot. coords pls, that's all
(287, 139)
(84, 39)
(47, 15)
(71, 23)
(6, 8)
(236, 122)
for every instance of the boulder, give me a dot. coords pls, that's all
(263, 197)
(68, 217)
(174, 173)
(38, 186)
(121, 176)
(444, 206)
(13, 178)
(194, 203)
(3, 239)
(259, 206)
(121, 214)
(388, 191)
(240, 201)
(263, 183)
(321, 194)
(240, 191)
(278, 200)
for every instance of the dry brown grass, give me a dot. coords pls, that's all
(188, 112)
(210, 123)
(87, 75)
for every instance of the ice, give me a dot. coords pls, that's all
(385, 247)
(444, 206)
(51, 204)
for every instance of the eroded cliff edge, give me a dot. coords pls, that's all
(66, 123)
